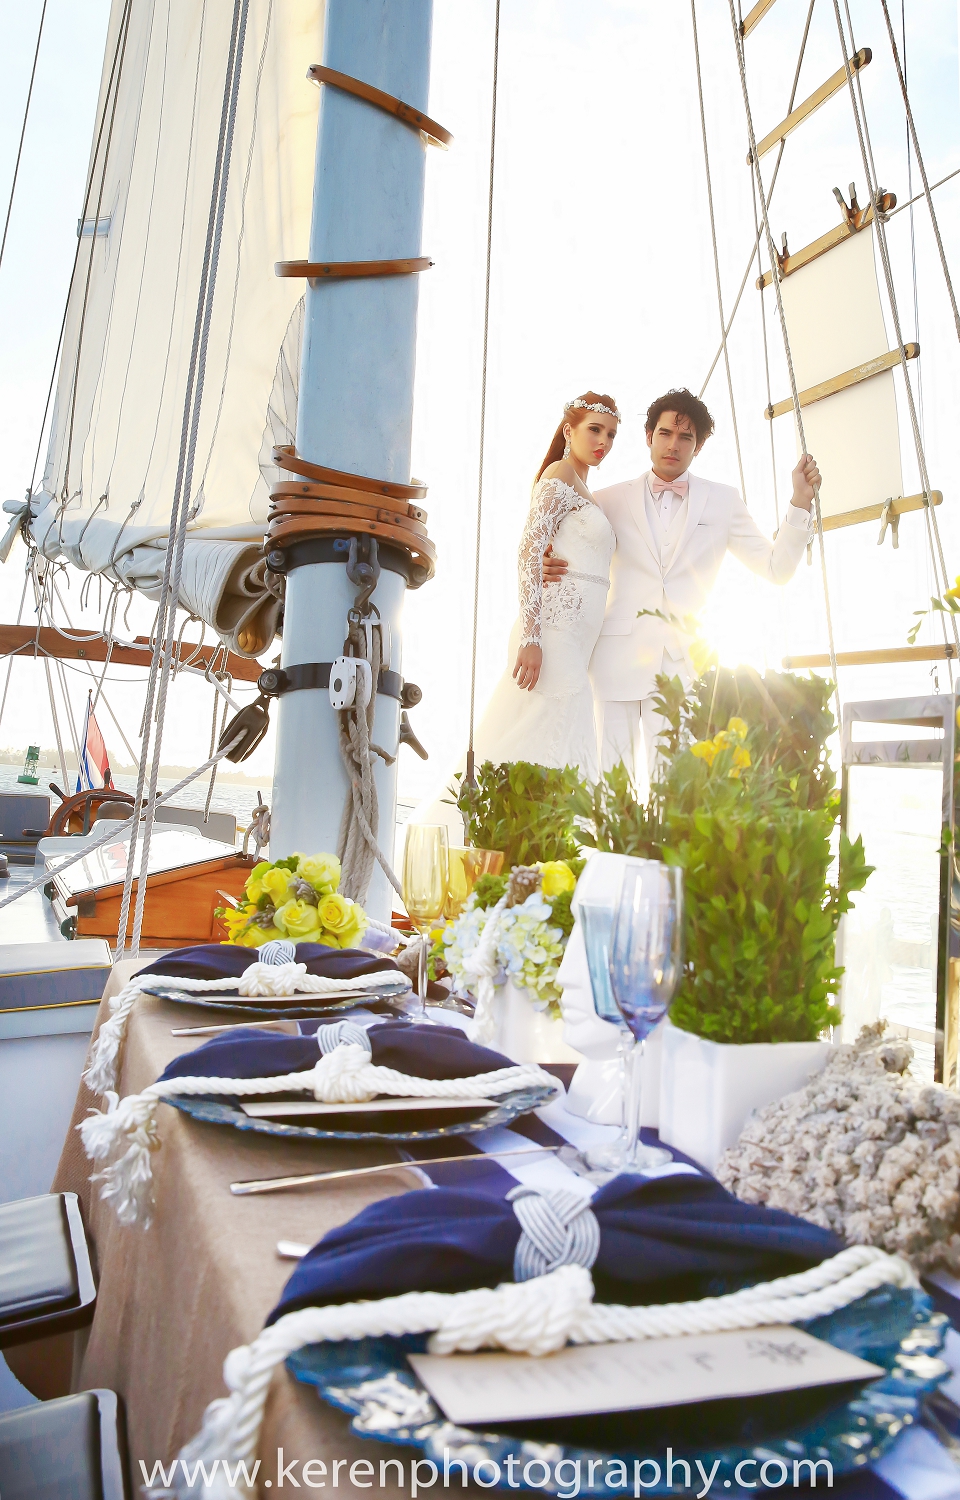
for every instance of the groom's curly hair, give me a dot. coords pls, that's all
(685, 404)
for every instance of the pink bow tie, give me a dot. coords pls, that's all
(678, 486)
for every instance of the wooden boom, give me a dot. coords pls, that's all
(27, 640)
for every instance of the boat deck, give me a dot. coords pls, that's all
(31, 919)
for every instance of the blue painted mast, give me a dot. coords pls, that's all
(355, 405)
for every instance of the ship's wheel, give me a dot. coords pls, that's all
(75, 814)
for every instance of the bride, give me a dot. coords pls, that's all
(542, 710)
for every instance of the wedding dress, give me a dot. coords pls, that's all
(553, 724)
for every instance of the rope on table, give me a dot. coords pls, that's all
(125, 1135)
(260, 980)
(533, 1317)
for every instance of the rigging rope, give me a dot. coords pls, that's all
(76, 258)
(716, 252)
(23, 131)
(114, 830)
(769, 197)
(866, 153)
(775, 278)
(108, 633)
(913, 230)
(358, 846)
(23, 596)
(766, 356)
(483, 391)
(180, 509)
(933, 188)
(124, 34)
(911, 127)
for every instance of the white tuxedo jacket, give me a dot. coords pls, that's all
(630, 651)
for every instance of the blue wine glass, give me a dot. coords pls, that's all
(596, 920)
(646, 965)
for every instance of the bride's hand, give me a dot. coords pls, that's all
(527, 669)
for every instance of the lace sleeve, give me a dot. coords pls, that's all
(552, 500)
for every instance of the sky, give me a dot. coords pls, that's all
(602, 277)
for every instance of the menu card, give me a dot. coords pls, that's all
(270, 1109)
(587, 1378)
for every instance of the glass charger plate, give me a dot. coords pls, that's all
(227, 1004)
(228, 1112)
(899, 1330)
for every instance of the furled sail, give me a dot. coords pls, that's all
(173, 309)
(836, 328)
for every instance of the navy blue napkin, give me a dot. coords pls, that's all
(660, 1239)
(224, 960)
(419, 1051)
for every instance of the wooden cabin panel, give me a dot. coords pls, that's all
(175, 912)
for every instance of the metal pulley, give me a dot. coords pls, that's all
(252, 723)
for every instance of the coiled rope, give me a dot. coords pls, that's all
(261, 980)
(125, 1135)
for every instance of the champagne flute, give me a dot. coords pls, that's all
(425, 877)
(596, 920)
(458, 884)
(646, 966)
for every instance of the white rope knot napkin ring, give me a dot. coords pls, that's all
(531, 1317)
(124, 1136)
(277, 975)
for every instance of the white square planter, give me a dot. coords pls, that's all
(708, 1090)
(526, 1034)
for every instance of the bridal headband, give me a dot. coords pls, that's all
(611, 411)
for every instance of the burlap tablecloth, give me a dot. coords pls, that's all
(174, 1299)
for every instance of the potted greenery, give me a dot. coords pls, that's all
(750, 811)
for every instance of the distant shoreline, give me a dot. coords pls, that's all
(49, 768)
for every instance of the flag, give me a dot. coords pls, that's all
(94, 761)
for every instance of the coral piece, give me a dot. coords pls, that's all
(524, 880)
(863, 1150)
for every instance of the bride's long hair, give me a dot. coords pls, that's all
(574, 418)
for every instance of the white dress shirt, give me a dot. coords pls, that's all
(668, 505)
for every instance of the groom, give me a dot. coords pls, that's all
(673, 529)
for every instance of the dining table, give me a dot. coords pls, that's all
(177, 1296)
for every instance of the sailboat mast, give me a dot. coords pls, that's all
(355, 406)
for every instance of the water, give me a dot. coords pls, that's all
(227, 797)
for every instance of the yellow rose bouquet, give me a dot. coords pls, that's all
(295, 898)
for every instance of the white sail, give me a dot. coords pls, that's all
(835, 323)
(118, 426)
